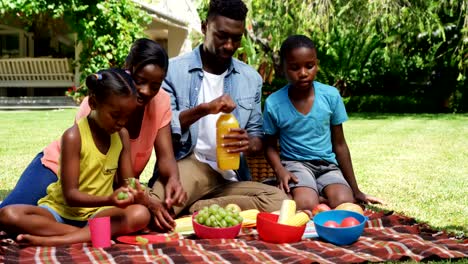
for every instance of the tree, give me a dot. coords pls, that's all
(105, 29)
(383, 47)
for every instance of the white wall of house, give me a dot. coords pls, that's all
(173, 23)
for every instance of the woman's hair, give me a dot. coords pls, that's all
(233, 9)
(294, 42)
(110, 82)
(146, 51)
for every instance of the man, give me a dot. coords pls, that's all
(203, 84)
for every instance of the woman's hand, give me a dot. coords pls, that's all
(163, 221)
(175, 193)
(126, 197)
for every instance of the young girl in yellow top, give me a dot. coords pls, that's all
(94, 150)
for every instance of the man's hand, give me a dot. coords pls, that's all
(237, 140)
(175, 194)
(224, 104)
(163, 221)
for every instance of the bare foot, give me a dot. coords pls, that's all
(30, 240)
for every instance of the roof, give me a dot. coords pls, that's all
(178, 13)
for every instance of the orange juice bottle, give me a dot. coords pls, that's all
(226, 161)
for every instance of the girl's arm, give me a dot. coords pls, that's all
(272, 156)
(125, 170)
(70, 172)
(343, 156)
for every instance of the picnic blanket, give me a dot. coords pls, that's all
(387, 237)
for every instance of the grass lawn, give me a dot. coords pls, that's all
(417, 163)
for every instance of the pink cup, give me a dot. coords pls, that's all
(100, 231)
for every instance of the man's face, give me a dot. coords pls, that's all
(222, 37)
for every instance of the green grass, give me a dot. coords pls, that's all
(417, 163)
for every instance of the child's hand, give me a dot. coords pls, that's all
(366, 199)
(122, 197)
(138, 193)
(284, 177)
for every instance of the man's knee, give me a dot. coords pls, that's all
(273, 198)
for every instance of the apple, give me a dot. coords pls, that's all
(233, 208)
(349, 221)
(331, 223)
(350, 207)
(320, 208)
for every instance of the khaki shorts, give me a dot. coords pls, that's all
(314, 174)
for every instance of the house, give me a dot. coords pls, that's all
(39, 63)
(173, 22)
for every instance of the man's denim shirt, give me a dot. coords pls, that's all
(183, 83)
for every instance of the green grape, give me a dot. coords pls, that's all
(218, 216)
(141, 240)
(223, 223)
(131, 182)
(205, 215)
(122, 195)
(222, 212)
(214, 206)
(239, 218)
(229, 220)
(200, 219)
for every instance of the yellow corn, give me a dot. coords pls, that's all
(298, 219)
(250, 217)
(183, 224)
(249, 214)
(288, 209)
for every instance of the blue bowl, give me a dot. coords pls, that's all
(339, 235)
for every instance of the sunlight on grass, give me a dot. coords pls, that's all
(417, 163)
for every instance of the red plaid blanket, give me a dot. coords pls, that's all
(386, 238)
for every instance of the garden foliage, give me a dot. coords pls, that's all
(105, 29)
(388, 48)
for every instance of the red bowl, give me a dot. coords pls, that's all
(269, 230)
(215, 232)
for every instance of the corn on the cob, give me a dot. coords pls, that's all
(183, 224)
(250, 217)
(298, 219)
(288, 209)
(249, 214)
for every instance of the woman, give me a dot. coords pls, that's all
(149, 127)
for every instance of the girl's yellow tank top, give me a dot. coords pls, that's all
(97, 171)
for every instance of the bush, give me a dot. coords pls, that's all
(389, 104)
